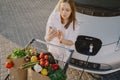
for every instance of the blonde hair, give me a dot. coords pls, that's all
(72, 17)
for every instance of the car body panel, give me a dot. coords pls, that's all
(100, 27)
(107, 29)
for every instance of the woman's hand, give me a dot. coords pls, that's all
(60, 35)
(62, 40)
(52, 33)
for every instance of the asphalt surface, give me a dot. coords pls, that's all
(20, 21)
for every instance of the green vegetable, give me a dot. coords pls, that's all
(50, 70)
(17, 53)
(58, 75)
(27, 51)
(51, 59)
(28, 65)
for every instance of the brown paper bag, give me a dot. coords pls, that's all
(15, 72)
(36, 76)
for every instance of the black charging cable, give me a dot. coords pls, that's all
(86, 63)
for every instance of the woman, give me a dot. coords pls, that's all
(62, 28)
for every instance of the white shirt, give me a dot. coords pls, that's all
(54, 21)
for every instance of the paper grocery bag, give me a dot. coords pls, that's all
(15, 72)
(37, 76)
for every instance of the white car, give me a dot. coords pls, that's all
(99, 19)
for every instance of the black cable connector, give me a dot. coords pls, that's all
(86, 63)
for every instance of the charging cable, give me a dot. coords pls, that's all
(86, 64)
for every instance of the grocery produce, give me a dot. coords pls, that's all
(55, 66)
(33, 50)
(45, 64)
(46, 57)
(44, 72)
(42, 62)
(41, 55)
(58, 75)
(18, 53)
(9, 64)
(33, 59)
(51, 59)
(27, 65)
(28, 51)
(37, 68)
(27, 58)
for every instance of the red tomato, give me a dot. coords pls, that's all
(42, 63)
(46, 57)
(41, 59)
(41, 55)
(38, 58)
(46, 63)
(9, 64)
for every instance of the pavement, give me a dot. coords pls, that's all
(20, 21)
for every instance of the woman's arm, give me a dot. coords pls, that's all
(52, 33)
(67, 42)
(50, 29)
